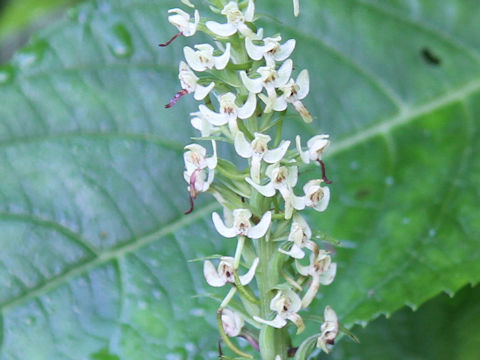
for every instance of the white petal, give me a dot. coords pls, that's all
(211, 275)
(280, 103)
(259, 230)
(311, 292)
(242, 146)
(255, 167)
(252, 85)
(202, 91)
(193, 60)
(221, 228)
(292, 177)
(298, 321)
(255, 52)
(327, 277)
(212, 161)
(223, 30)
(299, 202)
(303, 154)
(213, 117)
(303, 111)
(285, 50)
(248, 108)
(295, 252)
(250, 11)
(245, 279)
(296, 7)
(275, 155)
(323, 204)
(222, 61)
(303, 82)
(284, 73)
(266, 190)
(279, 322)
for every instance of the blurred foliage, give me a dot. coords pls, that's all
(15, 15)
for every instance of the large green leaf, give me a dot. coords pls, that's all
(93, 234)
(442, 329)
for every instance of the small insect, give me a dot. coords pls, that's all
(430, 57)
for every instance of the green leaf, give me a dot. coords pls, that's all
(94, 241)
(442, 329)
(19, 14)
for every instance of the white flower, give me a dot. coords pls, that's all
(202, 59)
(200, 170)
(271, 49)
(296, 7)
(181, 20)
(329, 329)
(322, 271)
(242, 226)
(286, 303)
(232, 322)
(293, 92)
(189, 82)
(225, 272)
(316, 146)
(300, 234)
(283, 179)
(270, 79)
(316, 196)
(235, 21)
(229, 111)
(258, 150)
(201, 123)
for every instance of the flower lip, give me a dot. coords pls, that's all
(242, 226)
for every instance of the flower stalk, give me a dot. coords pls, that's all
(247, 87)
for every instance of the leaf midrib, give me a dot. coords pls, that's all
(111, 255)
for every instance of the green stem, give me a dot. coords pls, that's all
(272, 341)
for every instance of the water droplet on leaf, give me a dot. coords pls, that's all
(6, 74)
(119, 41)
(30, 55)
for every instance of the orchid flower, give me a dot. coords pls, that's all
(316, 196)
(316, 146)
(201, 123)
(235, 20)
(189, 83)
(293, 92)
(232, 322)
(283, 179)
(286, 303)
(181, 20)
(270, 79)
(330, 328)
(322, 271)
(258, 151)
(200, 170)
(202, 59)
(242, 225)
(300, 234)
(271, 49)
(225, 272)
(229, 111)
